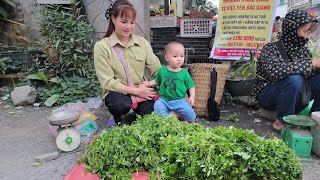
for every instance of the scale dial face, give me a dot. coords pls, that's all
(68, 139)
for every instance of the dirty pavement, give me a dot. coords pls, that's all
(25, 136)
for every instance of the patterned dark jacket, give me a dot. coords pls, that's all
(271, 67)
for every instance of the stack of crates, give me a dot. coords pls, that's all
(201, 48)
(196, 27)
(24, 61)
(19, 59)
(161, 37)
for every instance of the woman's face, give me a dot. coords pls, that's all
(307, 30)
(124, 26)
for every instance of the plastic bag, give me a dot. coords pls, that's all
(85, 115)
(87, 127)
(306, 110)
(212, 105)
(94, 103)
(77, 106)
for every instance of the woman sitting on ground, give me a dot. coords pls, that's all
(137, 54)
(279, 82)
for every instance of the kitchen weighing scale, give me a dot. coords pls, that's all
(298, 136)
(68, 139)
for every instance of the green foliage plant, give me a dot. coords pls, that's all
(6, 7)
(315, 53)
(232, 117)
(66, 89)
(245, 69)
(3, 64)
(203, 5)
(8, 66)
(313, 45)
(69, 36)
(178, 150)
(39, 76)
(69, 40)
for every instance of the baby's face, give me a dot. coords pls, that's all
(175, 56)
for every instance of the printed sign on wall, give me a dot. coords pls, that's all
(242, 26)
(296, 4)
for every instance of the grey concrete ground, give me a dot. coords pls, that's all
(24, 135)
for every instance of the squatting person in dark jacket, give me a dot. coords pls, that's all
(279, 82)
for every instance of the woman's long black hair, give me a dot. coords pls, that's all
(122, 8)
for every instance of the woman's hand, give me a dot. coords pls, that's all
(148, 83)
(316, 63)
(145, 92)
(145, 83)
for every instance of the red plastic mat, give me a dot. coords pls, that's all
(78, 173)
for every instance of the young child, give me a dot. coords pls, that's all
(174, 82)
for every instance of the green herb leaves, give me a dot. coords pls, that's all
(185, 151)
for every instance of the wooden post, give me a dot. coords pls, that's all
(14, 35)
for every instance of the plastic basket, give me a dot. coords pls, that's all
(24, 60)
(197, 27)
(199, 44)
(163, 21)
(200, 60)
(201, 75)
(161, 37)
(21, 59)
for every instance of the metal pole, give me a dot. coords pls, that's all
(166, 7)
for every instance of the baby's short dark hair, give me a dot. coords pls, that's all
(168, 46)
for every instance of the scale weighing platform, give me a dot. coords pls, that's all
(298, 136)
(68, 138)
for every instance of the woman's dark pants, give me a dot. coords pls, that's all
(120, 104)
(282, 96)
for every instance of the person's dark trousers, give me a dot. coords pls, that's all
(282, 96)
(120, 104)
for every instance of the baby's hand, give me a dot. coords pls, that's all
(191, 101)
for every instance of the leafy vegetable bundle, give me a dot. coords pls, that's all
(178, 150)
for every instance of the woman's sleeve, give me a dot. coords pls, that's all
(308, 54)
(275, 67)
(152, 61)
(104, 71)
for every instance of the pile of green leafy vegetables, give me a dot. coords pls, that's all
(178, 150)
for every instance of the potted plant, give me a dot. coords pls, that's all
(242, 76)
(7, 8)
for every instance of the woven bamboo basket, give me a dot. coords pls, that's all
(201, 75)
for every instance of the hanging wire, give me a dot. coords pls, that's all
(86, 6)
